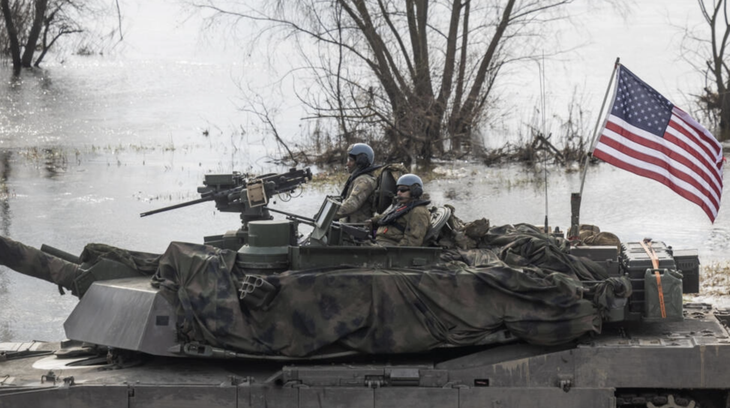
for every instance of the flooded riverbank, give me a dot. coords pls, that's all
(67, 200)
(88, 143)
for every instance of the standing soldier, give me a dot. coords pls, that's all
(407, 221)
(358, 192)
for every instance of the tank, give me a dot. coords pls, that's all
(267, 316)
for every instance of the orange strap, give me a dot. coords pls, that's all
(661, 294)
(655, 263)
(652, 255)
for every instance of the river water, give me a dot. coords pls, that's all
(88, 143)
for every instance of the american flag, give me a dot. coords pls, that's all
(649, 136)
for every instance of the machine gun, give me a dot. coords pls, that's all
(249, 196)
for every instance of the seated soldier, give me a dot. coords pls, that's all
(357, 193)
(406, 222)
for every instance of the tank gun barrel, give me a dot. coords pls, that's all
(60, 254)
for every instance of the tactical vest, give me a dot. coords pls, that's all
(356, 174)
(397, 212)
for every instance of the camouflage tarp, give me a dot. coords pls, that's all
(524, 283)
(518, 279)
(32, 262)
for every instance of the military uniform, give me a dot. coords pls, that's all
(357, 206)
(409, 229)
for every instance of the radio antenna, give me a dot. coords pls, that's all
(541, 67)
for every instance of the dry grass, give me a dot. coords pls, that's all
(715, 278)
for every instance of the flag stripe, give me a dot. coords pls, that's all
(618, 159)
(663, 150)
(647, 135)
(656, 162)
(698, 144)
(692, 152)
(701, 133)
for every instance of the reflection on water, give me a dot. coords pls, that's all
(54, 162)
(5, 173)
(5, 218)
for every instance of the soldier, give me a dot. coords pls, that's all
(407, 221)
(357, 193)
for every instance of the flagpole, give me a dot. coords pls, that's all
(598, 121)
(575, 198)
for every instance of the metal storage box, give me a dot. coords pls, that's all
(636, 261)
(688, 262)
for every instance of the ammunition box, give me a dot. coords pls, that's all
(636, 261)
(688, 262)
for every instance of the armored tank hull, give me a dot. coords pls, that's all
(125, 353)
(631, 364)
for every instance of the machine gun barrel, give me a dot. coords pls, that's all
(176, 206)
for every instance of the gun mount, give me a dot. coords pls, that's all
(243, 194)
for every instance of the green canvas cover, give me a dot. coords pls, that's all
(517, 279)
(524, 282)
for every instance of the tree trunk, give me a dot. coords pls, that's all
(454, 129)
(724, 116)
(35, 32)
(12, 36)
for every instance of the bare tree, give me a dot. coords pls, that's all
(32, 25)
(706, 51)
(422, 71)
(12, 33)
(34, 32)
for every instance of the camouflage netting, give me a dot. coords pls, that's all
(524, 283)
(516, 278)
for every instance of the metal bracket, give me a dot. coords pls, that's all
(374, 381)
(240, 382)
(51, 376)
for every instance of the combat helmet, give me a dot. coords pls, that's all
(412, 181)
(362, 153)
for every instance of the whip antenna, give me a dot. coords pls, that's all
(541, 67)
